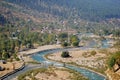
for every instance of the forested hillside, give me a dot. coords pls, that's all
(94, 10)
(2, 20)
(83, 15)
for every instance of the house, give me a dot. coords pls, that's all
(3, 61)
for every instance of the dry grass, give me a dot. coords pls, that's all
(9, 67)
(112, 75)
(52, 73)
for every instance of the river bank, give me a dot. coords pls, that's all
(27, 58)
(40, 48)
(86, 72)
(82, 57)
(52, 73)
(39, 57)
(12, 66)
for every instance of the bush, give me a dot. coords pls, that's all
(93, 53)
(111, 62)
(5, 55)
(65, 44)
(17, 59)
(15, 55)
(76, 43)
(65, 54)
(114, 59)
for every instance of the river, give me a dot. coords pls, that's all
(88, 73)
(40, 57)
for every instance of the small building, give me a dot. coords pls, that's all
(3, 61)
(1, 68)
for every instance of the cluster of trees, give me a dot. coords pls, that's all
(7, 46)
(89, 10)
(13, 39)
(73, 40)
(63, 37)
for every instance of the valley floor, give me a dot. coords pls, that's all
(78, 57)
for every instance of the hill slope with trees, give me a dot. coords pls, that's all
(86, 9)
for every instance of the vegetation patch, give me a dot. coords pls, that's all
(65, 44)
(72, 75)
(89, 54)
(33, 62)
(93, 53)
(65, 54)
(114, 60)
(31, 73)
(100, 70)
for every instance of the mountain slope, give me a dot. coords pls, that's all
(82, 15)
(2, 20)
(85, 9)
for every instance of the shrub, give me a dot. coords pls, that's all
(17, 59)
(65, 54)
(76, 43)
(114, 59)
(65, 44)
(93, 53)
(111, 62)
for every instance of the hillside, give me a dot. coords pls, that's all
(85, 9)
(2, 20)
(83, 15)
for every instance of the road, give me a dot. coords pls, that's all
(27, 68)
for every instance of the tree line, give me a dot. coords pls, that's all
(14, 39)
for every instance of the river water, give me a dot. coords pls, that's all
(89, 74)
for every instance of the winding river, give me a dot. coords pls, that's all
(88, 73)
(91, 75)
